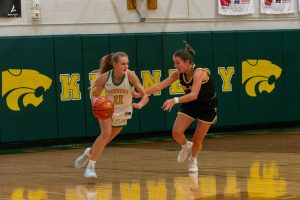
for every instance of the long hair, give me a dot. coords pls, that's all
(186, 53)
(106, 64)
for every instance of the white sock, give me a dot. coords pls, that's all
(88, 153)
(193, 158)
(92, 162)
(186, 144)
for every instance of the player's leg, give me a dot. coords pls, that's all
(200, 133)
(98, 147)
(92, 153)
(102, 139)
(181, 123)
(117, 126)
(114, 133)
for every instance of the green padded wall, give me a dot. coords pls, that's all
(202, 44)
(263, 87)
(31, 83)
(291, 42)
(225, 58)
(149, 57)
(93, 48)
(71, 93)
(264, 107)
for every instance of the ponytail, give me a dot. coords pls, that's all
(189, 48)
(104, 66)
(186, 53)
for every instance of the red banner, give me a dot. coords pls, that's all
(277, 6)
(235, 7)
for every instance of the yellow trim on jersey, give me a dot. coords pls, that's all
(203, 82)
(187, 82)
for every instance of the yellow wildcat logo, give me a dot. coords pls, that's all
(24, 87)
(259, 76)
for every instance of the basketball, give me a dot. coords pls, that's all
(103, 108)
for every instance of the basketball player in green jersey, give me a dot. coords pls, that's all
(119, 83)
(199, 103)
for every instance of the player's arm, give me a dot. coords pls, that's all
(198, 77)
(134, 80)
(98, 86)
(163, 84)
(159, 86)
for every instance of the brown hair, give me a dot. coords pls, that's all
(106, 64)
(186, 53)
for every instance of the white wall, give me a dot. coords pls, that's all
(112, 16)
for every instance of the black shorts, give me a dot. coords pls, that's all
(205, 113)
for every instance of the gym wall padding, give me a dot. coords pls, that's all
(265, 107)
(150, 57)
(291, 44)
(272, 99)
(70, 109)
(27, 55)
(93, 48)
(225, 56)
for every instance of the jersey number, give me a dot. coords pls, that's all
(118, 99)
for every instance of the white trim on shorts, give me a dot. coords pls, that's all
(212, 122)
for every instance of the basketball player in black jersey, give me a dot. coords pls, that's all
(199, 103)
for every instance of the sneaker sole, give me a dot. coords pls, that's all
(90, 176)
(193, 171)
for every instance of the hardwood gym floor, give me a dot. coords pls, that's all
(248, 165)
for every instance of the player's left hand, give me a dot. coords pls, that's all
(137, 105)
(168, 105)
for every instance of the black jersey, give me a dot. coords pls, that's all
(204, 108)
(206, 96)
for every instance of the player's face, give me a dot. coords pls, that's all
(180, 64)
(122, 64)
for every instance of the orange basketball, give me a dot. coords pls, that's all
(103, 108)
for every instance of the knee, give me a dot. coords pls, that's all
(106, 135)
(176, 133)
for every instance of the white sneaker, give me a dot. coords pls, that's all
(193, 167)
(82, 160)
(90, 172)
(185, 152)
